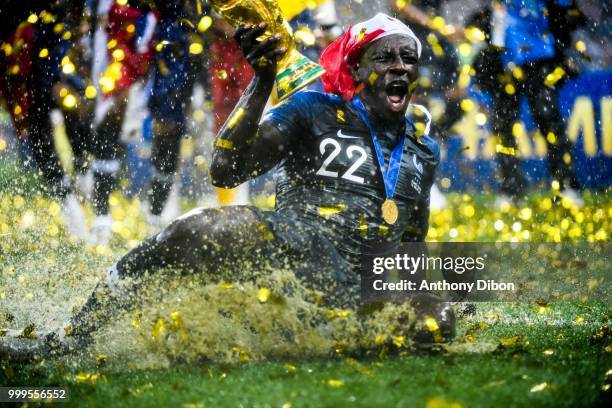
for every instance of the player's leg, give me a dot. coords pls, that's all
(505, 116)
(78, 129)
(172, 88)
(206, 241)
(40, 135)
(202, 241)
(544, 103)
(106, 149)
(164, 162)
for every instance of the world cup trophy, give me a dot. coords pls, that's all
(294, 71)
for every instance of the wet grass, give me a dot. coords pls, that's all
(510, 355)
(505, 355)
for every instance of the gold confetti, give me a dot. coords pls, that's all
(511, 151)
(539, 387)
(372, 78)
(512, 341)
(335, 383)
(304, 36)
(432, 326)
(235, 118)
(263, 295)
(90, 92)
(554, 77)
(222, 74)
(440, 402)
(159, 328)
(413, 85)
(383, 229)
(101, 359)
(204, 23)
(467, 105)
(329, 211)
(69, 101)
(363, 225)
(474, 34)
(361, 35)
(196, 48)
(340, 116)
(118, 54)
(399, 341)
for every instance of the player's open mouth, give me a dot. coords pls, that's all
(397, 95)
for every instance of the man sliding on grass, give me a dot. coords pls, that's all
(352, 175)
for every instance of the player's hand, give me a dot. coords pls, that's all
(262, 55)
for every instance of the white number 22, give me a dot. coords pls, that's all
(350, 152)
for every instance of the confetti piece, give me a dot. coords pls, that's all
(439, 402)
(305, 36)
(329, 211)
(554, 77)
(340, 116)
(235, 118)
(510, 151)
(101, 359)
(222, 74)
(205, 23)
(539, 387)
(335, 383)
(413, 85)
(196, 48)
(372, 78)
(263, 295)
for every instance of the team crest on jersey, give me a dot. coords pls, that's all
(417, 165)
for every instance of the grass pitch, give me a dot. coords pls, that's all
(505, 355)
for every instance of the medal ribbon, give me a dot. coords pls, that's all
(391, 175)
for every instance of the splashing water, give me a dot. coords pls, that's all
(46, 277)
(185, 320)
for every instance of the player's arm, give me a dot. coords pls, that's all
(244, 149)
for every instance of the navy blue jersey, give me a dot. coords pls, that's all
(330, 177)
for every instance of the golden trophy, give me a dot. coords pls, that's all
(294, 71)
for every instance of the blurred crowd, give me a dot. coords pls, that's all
(156, 73)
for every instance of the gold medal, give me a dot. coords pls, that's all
(389, 211)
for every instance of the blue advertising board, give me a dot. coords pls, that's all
(468, 160)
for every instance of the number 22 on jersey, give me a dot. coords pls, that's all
(352, 152)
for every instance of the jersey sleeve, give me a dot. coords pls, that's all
(297, 114)
(433, 146)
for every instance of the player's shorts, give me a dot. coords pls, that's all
(311, 256)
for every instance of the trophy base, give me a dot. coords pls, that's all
(297, 72)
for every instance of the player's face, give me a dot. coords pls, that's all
(386, 69)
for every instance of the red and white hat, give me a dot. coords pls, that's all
(347, 49)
